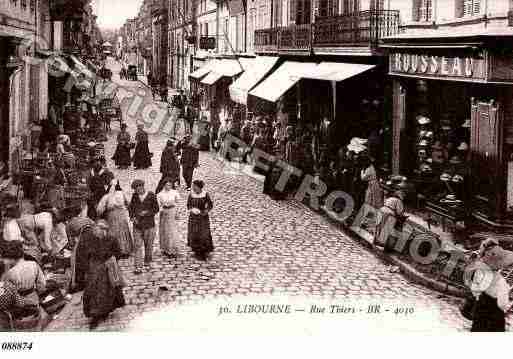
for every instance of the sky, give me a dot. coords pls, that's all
(112, 14)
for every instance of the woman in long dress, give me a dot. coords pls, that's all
(199, 236)
(490, 288)
(113, 207)
(103, 292)
(122, 155)
(80, 232)
(374, 193)
(142, 156)
(168, 231)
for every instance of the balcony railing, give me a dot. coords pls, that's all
(510, 18)
(364, 28)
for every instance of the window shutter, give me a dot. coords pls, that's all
(292, 8)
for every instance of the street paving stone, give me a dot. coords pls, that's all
(261, 247)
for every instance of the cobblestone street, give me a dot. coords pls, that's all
(262, 248)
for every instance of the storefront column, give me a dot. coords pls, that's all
(399, 123)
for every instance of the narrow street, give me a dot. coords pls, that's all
(262, 248)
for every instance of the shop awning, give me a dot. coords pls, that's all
(253, 73)
(337, 71)
(281, 80)
(202, 71)
(223, 68)
(211, 78)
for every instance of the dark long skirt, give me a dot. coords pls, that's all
(122, 156)
(199, 237)
(488, 317)
(100, 297)
(142, 157)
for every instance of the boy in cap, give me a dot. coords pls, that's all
(142, 209)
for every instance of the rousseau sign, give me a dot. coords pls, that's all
(437, 66)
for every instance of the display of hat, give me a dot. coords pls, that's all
(467, 123)
(455, 160)
(423, 143)
(91, 144)
(451, 197)
(457, 178)
(423, 120)
(423, 133)
(422, 153)
(426, 168)
(445, 177)
(359, 141)
(429, 134)
(463, 147)
(437, 146)
(356, 148)
(429, 160)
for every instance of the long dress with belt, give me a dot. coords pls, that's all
(142, 156)
(122, 155)
(168, 227)
(199, 236)
(113, 207)
(101, 295)
(491, 305)
(374, 193)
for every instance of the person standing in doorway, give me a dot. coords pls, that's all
(142, 209)
(189, 160)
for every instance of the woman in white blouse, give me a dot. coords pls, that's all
(168, 231)
(490, 288)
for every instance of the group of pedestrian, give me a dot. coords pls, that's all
(141, 158)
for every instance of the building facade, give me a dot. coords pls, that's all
(160, 41)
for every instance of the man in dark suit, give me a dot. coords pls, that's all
(189, 159)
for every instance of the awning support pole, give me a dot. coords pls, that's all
(334, 93)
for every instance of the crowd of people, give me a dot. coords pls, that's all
(110, 226)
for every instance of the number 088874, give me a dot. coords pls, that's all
(16, 346)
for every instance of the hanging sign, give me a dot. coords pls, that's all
(437, 66)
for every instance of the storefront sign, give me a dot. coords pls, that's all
(437, 66)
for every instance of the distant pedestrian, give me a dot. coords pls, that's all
(169, 165)
(199, 236)
(122, 157)
(142, 155)
(189, 160)
(142, 209)
(168, 227)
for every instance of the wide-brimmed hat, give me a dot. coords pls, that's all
(356, 148)
(359, 141)
(423, 120)
(467, 123)
(455, 160)
(463, 146)
(445, 177)
(423, 143)
(422, 153)
(425, 168)
(457, 178)
(493, 255)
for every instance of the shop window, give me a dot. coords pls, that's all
(423, 10)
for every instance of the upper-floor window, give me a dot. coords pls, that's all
(423, 10)
(327, 8)
(466, 8)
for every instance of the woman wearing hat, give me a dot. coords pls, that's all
(169, 165)
(142, 155)
(490, 288)
(373, 193)
(199, 236)
(98, 181)
(122, 155)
